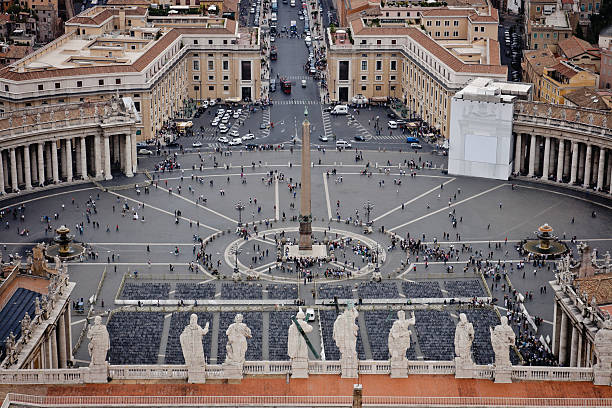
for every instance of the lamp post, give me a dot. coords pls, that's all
(376, 267)
(240, 207)
(236, 252)
(368, 207)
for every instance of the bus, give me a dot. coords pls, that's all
(273, 54)
(285, 85)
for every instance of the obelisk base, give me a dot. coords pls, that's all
(305, 242)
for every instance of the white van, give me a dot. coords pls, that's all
(274, 18)
(340, 110)
(292, 3)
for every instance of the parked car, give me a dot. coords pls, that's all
(343, 144)
(416, 146)
(359, 99)
(235, 141)
(234, 133)
(145, 152)
(196, 144)
(303, 83)
(392, 124)
(323, 138)
(223, 139)
(248, 136)
(359, 137)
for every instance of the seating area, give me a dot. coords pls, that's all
(483, 320)
(427, 289)
(254, 321)
(21, 301)
(277, 291)
(135, 337)
(340, 291)
(279, 329)
(241, 291)
(378, 290)
(174, 351)
(328, 317)
(464, 288)
(378, 325)
(436, 334)
(191, 291)
(145, 291)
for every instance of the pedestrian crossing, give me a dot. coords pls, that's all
(297, 77)
(295, 102)
(360, 128)
(400, 137)
(263, 133)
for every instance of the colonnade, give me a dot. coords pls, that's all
(571, 343)
(35, 164)
(581, 163)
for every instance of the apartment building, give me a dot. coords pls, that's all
(534, 63)
(563, 78)
(406, 63)
(162, 63)
(580, 52)
(549, 30)
(465, 24)
(605, 78)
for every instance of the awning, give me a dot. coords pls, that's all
(379, 99)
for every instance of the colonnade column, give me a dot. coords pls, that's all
(532, 149)
(54, 347)
(41, 164)
(34, 166)
(97, 157)
(560, 160)
(574, 347)
(579, 362)
(546, 165)
(107, 159)
(54, 162)
(68, 160)
(574, 170)
(587, 166)
(62, 342)
(83, 158)
(14, 183)
(517, 154)
(128, 155)
(26, 167)
(1, 173)
(600, 170)
(563, 339)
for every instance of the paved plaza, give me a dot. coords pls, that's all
(145, 235)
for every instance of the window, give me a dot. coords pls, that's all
(393, 65)
(196, 88)
(196, 77)
(378, 87)
(378, 42)
(196, 65)
(364, 65)
(117, 81)
(455, 33)
(363, 42)
(379, 65)
(378, 78)
(429, 24)
(224, 42)
(446, 23)
(195, 42)
(246, 70)
(364, 77)
(40, 87)
(437, 23)
(475, 29)
(535, 35)
(446, 33)
(456, 23)
(437, 33)
(393, 42)
(225, 77)
(79, 84)
(364, 87)
(210, 42)
(392, 78)
(211, 77)
(57, 85)
(6, 88)
(211, 88)
(211, 65)
(343, 70)
(225, 65)
(482, 29)
(225, 88)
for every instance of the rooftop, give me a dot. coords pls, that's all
(587, 98)
(539, 59)
(598, 286)
(574, 46)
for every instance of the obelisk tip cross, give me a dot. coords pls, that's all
(305, 111)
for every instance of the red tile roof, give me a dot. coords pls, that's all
(574, 46)
(145, 3)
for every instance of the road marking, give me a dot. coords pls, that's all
(445, 208)
(413, 200)
(205, 208)
(46, 196)
(276, 200)
(329, 214)
(566, 195)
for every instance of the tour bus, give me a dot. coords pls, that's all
(273, 54)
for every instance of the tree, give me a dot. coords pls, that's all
(600, 21)
(578, 31)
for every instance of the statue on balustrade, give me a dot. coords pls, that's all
(26, 333)
(191, 342)
(99, 342)
(399, 337)
(237, 335)
(297, 349)
(345, 334)
(502, 338)
(603, 346)
(464, 336)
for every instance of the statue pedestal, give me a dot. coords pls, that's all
(196, 375)
(503, 375)
(601, 377)
(463, 368)
(299, 368)
(232, 371)
(97, 373)
(399, 369)
(349, 368)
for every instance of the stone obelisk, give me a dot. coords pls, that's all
(305, 211)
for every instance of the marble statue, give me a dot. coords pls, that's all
(577, 116)
(564, 114)
(604, 122)
(67, 114)
(37, 309)
(345, 334)
(99, 342)
(191, 342)
(38, 118)
(297, 349)
(96, 110)
(237, 335)
(602, 343)
(502, 338)
(549, 112)
(10, 122)
(464, 336)
(399, 337)
(51, 116)
(26, 333)
(24, 120)
(591, 119)
(81, 112)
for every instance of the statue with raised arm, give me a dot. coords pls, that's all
(464, 336)
(99, 343)
(237, 335)
(399, 337)
(191, 343)
(345, 336)
(502, 338)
